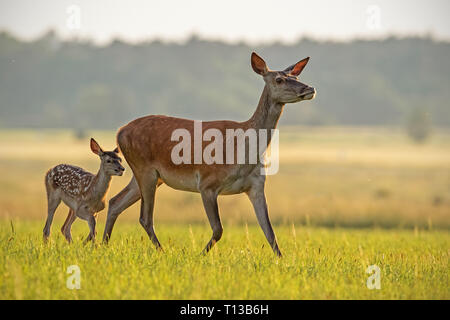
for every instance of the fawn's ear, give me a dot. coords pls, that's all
(95, 147)
(259, 65)
(297, 68)
(116, 150)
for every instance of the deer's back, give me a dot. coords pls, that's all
(72, 180)
(149, 139)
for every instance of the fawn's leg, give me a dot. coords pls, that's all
(67, 226)
(92, 221)
(53, 202)
(125, 198)
(209, 199)
(148, 187)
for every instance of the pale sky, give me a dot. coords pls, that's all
(229, 20)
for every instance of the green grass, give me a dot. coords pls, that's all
(318, 263)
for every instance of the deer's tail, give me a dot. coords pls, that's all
(49, 181)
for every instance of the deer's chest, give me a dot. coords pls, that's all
(242, 180)
(96, 206)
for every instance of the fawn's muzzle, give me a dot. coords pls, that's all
(120, 170)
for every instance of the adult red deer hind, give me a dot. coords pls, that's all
(147, 145)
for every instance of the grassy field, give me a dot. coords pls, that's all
(344, 199)
(318, 263)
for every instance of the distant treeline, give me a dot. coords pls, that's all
(52, 83)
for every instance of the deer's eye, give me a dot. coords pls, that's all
(108, 161)
(279, 80)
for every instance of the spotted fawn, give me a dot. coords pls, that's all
(83, 192)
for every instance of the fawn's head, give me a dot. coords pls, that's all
(284, 86)
(110, 161)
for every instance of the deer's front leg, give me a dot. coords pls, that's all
(85, 213)
(258, 199)
(92, 221)
(209, 199)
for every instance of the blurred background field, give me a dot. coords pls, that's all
(329, 176)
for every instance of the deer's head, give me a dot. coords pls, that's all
(284, 86)
(110, 161)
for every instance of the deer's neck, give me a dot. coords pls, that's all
(100, 185)
(267, 113)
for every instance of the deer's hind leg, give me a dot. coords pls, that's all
(148, 185)
(54, 200)
(67, 226)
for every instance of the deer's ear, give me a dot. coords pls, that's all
(95, 147)
(116, 150)
(259, 65)
(297, 68)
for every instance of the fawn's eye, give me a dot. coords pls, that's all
(279, 80)
(108, 161)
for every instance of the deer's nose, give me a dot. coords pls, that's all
(309, 90)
